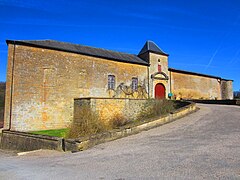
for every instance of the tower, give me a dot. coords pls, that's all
(159, 82)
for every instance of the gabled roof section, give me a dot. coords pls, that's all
(80, 49)
(150, 46)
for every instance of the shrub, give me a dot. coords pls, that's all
(86, 123)
(154, 108)
(117, 121)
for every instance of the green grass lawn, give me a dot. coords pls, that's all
(54, 132)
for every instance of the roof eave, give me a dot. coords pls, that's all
(64, 50)
(197, 74)
(193, 73)
(164, 54)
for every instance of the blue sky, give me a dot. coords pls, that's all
(200, 36)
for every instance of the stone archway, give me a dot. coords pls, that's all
(160, 91)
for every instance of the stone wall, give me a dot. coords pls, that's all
(108, 108)
(27, 142)
(22, 141)
(87, 142)
(225, 101)
(227, 91)
(43, 84)
(189, 86)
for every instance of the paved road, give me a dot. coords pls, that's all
(204, 145)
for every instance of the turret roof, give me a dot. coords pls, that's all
(150, 46)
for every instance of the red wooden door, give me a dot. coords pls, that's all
(159, 91)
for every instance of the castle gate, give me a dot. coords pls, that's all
(160, 91)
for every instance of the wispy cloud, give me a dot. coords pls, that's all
(164, 10)
(133, 26)
(193, 64)
(59, 24)
(33, 4)
(213, 56)
(235, 57)
(21, 3)
(221, 43)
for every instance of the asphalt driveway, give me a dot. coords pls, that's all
(203, 145)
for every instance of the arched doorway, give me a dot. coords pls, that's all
(160, 91)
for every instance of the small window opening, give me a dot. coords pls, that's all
(159, 68)
(134, 84)
(111, 82)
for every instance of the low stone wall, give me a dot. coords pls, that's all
(85, 143)
(108, 108)
(238, 102)
(22, 141)
(226, 102)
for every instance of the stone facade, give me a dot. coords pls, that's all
(190, 85)
(45, 83)
(187, 86)
(42, 81)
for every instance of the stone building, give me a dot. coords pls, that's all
(44, 77)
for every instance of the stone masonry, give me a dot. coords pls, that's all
(45, 83)
(44, 78)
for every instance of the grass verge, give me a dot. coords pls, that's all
(53, 132)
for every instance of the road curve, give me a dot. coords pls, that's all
(203, 145)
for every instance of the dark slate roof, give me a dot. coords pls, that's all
(150, 46)
(80, 49)
(197, 74)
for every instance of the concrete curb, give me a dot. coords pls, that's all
(75, 145)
